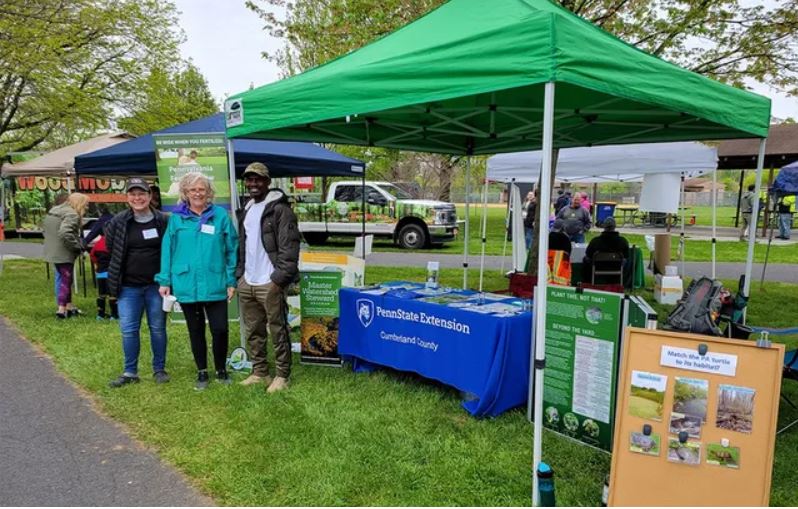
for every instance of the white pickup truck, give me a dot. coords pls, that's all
(390, 212)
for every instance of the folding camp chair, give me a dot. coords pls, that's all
(608, 267)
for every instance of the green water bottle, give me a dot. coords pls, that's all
(545, 485)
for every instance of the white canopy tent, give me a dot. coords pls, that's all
(61, 162)
(611, 163)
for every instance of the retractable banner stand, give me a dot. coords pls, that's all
(582, 345)
(319, 308)
(179, 154)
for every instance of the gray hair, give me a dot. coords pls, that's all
(191, 178)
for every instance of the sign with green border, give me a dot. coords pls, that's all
(582, 344)
(319, 308)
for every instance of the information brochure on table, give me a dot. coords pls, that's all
(319, 307)
(582, 338)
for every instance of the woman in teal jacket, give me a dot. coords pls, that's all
(198, 261)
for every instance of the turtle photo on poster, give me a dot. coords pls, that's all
(683, 422)
(735, 408)
(644, 444)
(687, 453)
(721, 456)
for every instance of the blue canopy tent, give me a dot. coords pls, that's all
(786, 182)
(284, 158)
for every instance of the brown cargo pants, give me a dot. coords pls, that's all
(263, 308)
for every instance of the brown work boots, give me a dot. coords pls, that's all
(277, 384)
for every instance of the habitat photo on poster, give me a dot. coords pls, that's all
(647, 395)
(683, 422)
(735, 408)
(728, 457)
(688, 453)
(644, 444)
(690, 397)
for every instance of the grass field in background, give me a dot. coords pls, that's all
(695, 250)
(336, 438)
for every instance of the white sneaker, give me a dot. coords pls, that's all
(255, 379)
(278, 384)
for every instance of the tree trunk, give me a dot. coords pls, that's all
(17, 220)
(446, 172)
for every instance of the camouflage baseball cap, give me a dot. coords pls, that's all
(259, 169)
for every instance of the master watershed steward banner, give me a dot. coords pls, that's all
(319, 308)
(582, 338)
(178, 154)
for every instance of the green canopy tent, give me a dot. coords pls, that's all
(466, 79)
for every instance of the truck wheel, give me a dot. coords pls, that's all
(412, 236)
(315, 238)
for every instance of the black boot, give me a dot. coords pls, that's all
(101, 308)
(114, 308)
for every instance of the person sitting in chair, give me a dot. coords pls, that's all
(609, 241)
(558, 239)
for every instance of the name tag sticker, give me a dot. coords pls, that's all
(208, 228)
(150, 233)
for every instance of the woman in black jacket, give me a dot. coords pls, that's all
(133, 238)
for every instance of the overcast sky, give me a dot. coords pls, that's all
(225, 40)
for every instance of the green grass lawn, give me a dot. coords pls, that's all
(335, 438)
(644, 408)
(695, 250)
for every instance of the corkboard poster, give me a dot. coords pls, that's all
(694, 429)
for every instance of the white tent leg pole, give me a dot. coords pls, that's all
(507, 224)
(466, 237)
(543, 267)
(714, 218)
(681, 235)
(484, 232)
(231, 175)
(749, 261)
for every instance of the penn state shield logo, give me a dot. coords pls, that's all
(365, 311)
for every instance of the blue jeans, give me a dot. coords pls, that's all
(133, 302)
(528, 234)
(578, 238)
(785, 224)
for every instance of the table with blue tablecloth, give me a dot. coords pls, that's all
(483, 354)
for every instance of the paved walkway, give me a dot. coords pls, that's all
(783, 272)
(55, 450)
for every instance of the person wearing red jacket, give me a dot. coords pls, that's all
(100, 257)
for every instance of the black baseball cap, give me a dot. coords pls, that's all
(137, 183)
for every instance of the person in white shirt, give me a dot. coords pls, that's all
(268, 261)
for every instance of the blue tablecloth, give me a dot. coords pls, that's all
(486, 356)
